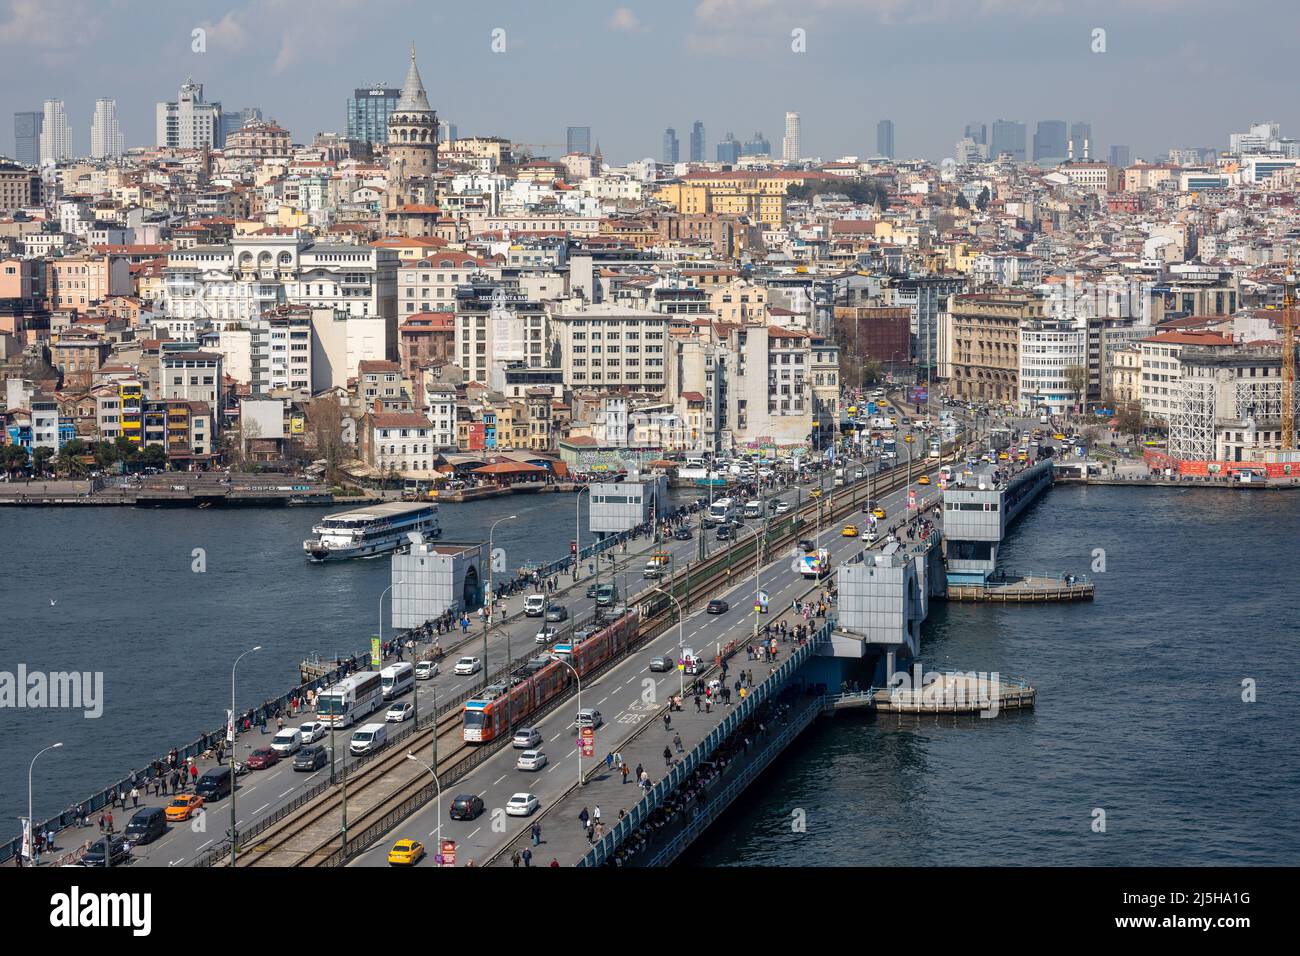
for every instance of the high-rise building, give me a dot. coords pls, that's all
(1049, 140)
(1081, 140)
(1008, 137)
(697, 142)
(729, 150)
(448, 133)
(237, 119)
(56, 133)
(757, 145)
(885, 138)
(105, 134)
(27, 138)
(189, 122)
(368, 113)
(791, 145)
(578, 140)
(672, 148)
(977, 133)
(1119, 155)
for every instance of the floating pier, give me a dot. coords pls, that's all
(949, 693)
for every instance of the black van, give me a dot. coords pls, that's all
(146, 826)
(214, 784)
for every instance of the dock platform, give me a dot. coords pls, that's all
(950, 693)
(1025, 589)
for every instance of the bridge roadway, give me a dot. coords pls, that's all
(263, 793)
(618, 695)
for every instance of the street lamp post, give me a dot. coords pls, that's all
(490, 602)
(230, 733)
(437, 833)
(31, 820)
(577, 531)
(681, 671)
(578, 678)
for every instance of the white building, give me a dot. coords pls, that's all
(191, 376)
(188, 122)
(105, 134)
(1047, 351)
(768, 393)
(611, 346)
(401, 442)
(791, 145)
(56, 133)
(439, 408)
(497, 326)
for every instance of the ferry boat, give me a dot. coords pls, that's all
(371, 531)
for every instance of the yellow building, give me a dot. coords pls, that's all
(759, 195)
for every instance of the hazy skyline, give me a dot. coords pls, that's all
(631, 69)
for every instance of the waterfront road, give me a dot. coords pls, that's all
(262, 793)
(622, 696)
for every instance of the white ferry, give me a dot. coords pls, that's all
(370, 531)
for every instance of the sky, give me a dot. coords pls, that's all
(1168, 72)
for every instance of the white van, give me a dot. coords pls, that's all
(287, 741)
(535, 605)
(368, 738)
(397, 679)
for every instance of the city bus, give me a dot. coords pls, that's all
(352, 698)
(722, 510)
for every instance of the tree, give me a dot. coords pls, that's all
(962, 201)
(1130, 420)
(106, 455)
(325, 430)
(153, 456)
(13, 458)
(982, 200)
(69, 459)
(864, 192)
(41, 459)
(1076, 377)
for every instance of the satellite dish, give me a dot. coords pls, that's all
(416, 537)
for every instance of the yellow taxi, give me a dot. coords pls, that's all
(1002, 456)
(878, 512)
(183, 807)
(909, 439)
(893, 420)
(815, 493)
(850, 531)
(406, 853)
(1059, 437)
(923, 480)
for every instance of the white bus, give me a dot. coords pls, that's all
(722, 510)
(350, 699)
(754, 509)
(397, 679)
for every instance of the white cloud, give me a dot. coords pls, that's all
(624, 20)
(52, 29)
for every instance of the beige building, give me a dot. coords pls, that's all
(981, 333)
(611, 346)
(1125, 386)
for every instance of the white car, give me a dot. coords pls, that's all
(531, 760)
(526, 737)
(547, 634)
(400, 712)
(590, 716)
(466, 666)
(287, 741)
(425, 670)
(521, 805)
(782, 507)
(313, 731)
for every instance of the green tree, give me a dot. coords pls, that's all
(41, 460)
(1130, 421)
(69, 460)
(1076, 377)
(962, 201)
(14, 458)
(982, 200)
(106, 455)
(153, 456)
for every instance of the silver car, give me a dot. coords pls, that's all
(531, 760)
(526, 737)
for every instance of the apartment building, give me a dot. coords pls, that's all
(1162, 368)
(429, 284)
(769, 396)
(400, 442)
(496, 325)
(610, 346)
(1227, 405)
(982, 343)
(1047, 351)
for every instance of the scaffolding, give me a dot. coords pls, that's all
(1259, 401)
(1191, 422)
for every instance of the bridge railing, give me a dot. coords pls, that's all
(641, 811)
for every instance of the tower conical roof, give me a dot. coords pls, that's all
(414, 99)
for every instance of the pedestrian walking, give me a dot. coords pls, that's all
(677, 743)
(135, 798)
(596, 815)
(668, 757)
(624, 769)
(668, 721)
(527, 857)
(609, 762)
(583, 817)
(194, 773)
(535, 831)
(514, 858)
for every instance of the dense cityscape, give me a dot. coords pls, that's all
(864, 429)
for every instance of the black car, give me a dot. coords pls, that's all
(717, 606)
(682, 534)
(808, 545)
(662, 663)
(725, 533)
(214, 784)
(556, 613)
(466, 807)
(311, 758)
(95, 855)
(146, 826)
(591, 590)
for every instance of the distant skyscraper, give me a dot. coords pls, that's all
(189, 122)
(1049, 140)
(672, 148)
(448, 132)
(758, 145)
(885, 138)
(791, 146)
(1008, 137)
(368, 113)
(977, 133)
(578, 140)
(1119, 155)
(1081, 140)
(729, 150)
(105, 135)
(56, 133)
(27, 138)
(697, 142)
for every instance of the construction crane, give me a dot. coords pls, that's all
(1288, 358)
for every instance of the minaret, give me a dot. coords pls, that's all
(412, 159)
